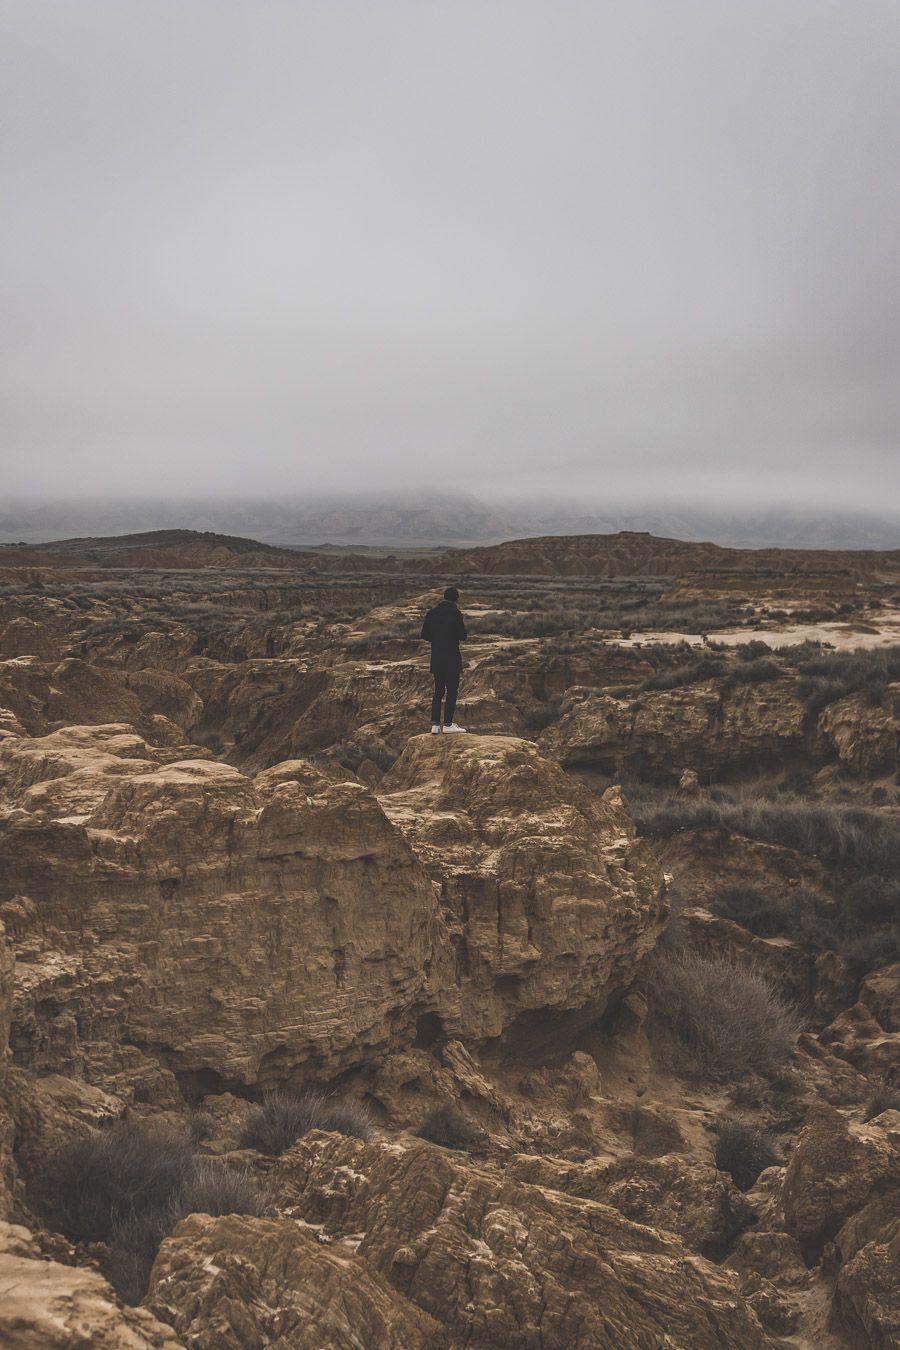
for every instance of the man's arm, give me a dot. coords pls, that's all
(461, 633)
(426, 627)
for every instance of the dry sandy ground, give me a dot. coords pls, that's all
(842, 636)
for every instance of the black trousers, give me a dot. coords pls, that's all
(445, 682)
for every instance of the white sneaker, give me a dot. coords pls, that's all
(454, 727)
(435, 729)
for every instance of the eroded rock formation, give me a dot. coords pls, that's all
(249, 928)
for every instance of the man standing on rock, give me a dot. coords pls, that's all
(445, 630)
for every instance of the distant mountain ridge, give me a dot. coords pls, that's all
(626, 553)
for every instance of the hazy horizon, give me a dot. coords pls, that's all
(416, 519)
(615, 253)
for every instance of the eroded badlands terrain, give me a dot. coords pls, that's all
(581, 1030)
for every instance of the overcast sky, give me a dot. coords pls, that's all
(610, 247)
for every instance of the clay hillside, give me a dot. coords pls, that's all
(579, 1029)
(625, 554)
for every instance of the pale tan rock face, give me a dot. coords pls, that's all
(239, 928)
(866, 738)
(503, 1263)
(45, 1305)
(699, 726)
(184, 914)
(549, 898)
(234, 1282)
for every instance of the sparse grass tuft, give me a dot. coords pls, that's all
(884, 1098)
(744, 1151)
(128, 1187)
(865, 841)
(829, 676)
(129, 1167)
(285, 1117)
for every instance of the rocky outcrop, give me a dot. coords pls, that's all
(46, 1305)
(866, 1305)
(47, 695)
(233, 1282)
(228, 927)
(7, 1127)
(835, 1169)
(857, 1036)
(549, 898)
(174, 916)
(704, 726)
(504, 1263)
(866, 737)
(679, 1195)
(880, 993)
(49, 1111)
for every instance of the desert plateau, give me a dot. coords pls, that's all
(579, 1029)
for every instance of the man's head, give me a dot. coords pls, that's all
(451, 593)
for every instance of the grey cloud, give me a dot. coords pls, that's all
(477, 243)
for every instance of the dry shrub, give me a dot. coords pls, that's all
(829, 676)
(721, 1020)
(285, 1117)
(744, 1151)
(129, 1186)
(864, 841)
(107, 1175)
(884, 1098)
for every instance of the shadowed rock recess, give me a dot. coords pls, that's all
(488, 1000)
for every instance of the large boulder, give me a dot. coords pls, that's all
(232, 1282)
(866, 1306)
(880, 993)
(508, 1264)
(46, 1305)
(834, 1170)
(238, 928)
(857, 1036)
(550, 899)
(865, 737)
(672, 1192)
(176, 917)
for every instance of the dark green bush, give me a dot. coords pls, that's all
(797, 913)
(871, 950)
(756, 671)
(872, 899)
(107, 1175)
(703, 668)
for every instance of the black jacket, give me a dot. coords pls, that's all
(444, 629)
